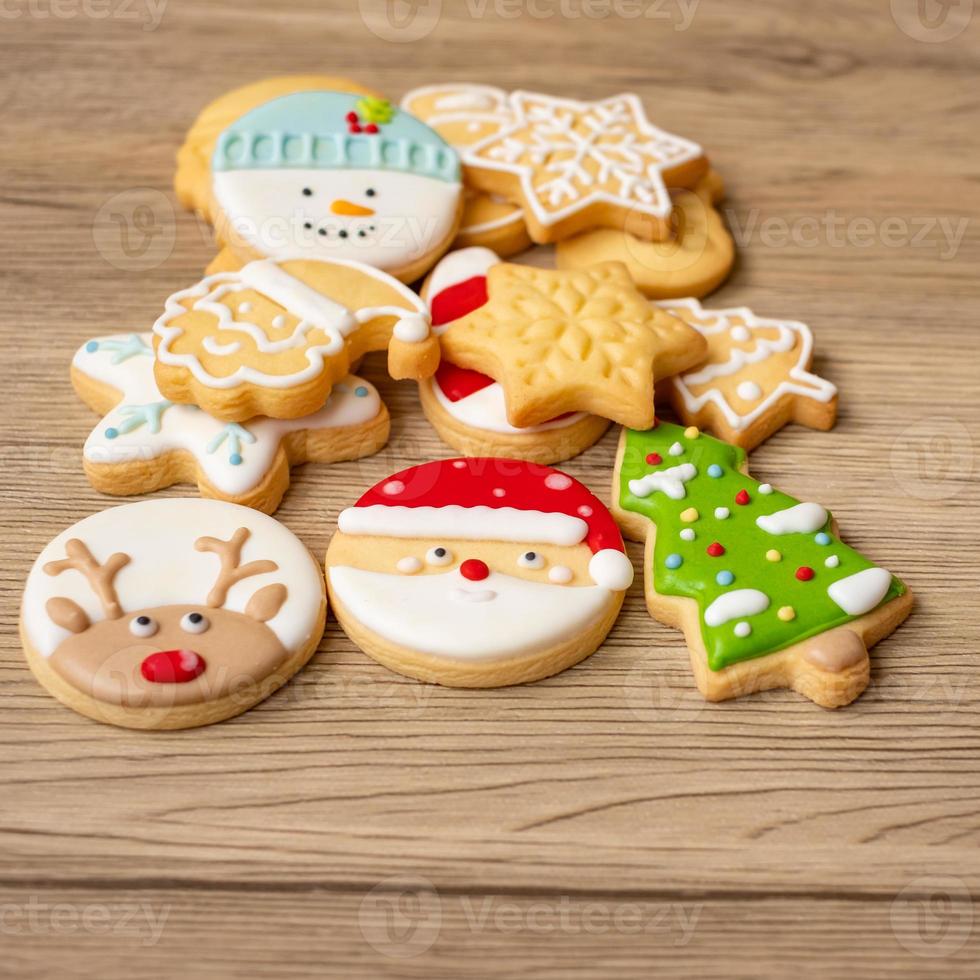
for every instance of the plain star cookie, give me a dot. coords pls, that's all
(464, 114)
(467, 408)
(325, 174)
(146, 442)
(766, 594)
(171, 613)
(272, 337)
(756, 378)
(574, 165)
(477, 572)
(581, 340)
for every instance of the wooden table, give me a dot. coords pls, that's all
(604, 822)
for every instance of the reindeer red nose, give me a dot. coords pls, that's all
(172, 666)
(474, 569)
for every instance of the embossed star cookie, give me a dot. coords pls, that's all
(756, 378)
(294, 169)
(765, 592)
(272, 337)
(693, 261)
(467, 408)
(171, 613)
(464, 114)
(580, 340)
(575, 165)
(146, 442)
(477, 572)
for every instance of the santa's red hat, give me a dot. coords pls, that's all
(488, 499)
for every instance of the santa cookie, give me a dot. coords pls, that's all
(335, 175)
(467, 408)
(272, 337)
(755, 379)
(171, 613)
(766, 594)
(477, 572)
(574, 165)
(464, 114)
(146, 442)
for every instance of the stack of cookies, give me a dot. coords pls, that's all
(328, 204)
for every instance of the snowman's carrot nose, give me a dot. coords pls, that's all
(348, 207)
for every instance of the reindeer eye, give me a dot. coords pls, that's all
(143, 626)
(439, 556)
(194, 623)
(531, 559)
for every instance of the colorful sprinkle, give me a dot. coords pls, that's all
(715, 549)
(722, 513)
(674, 561)
(654, 459)
(822, 538)
(765, 488)
(92, 346)
(804, 573)
(111, 433)
(235, 459)
(676, 450)
(714, 471)
(692, 432)
(742, 497)
(688, 534)
(786, 613)
(743, 629)
(690, 515)
(773, 555)
(832, 562)
(725, 578)
(360, 392)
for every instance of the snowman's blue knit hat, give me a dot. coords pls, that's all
(334, 130)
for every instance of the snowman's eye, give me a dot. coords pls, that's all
(439, 556)
(370, 192)
(307, 192)
(531, 559)
(194, 623)
(143, 626)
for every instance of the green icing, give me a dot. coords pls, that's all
(746, 544)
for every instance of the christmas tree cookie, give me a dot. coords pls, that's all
(766, 594)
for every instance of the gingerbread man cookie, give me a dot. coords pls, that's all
(146, 442)
(171, 613)
(766, 594)
(477, 572)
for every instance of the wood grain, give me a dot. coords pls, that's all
(604, 822)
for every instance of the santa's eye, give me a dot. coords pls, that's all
(370, 192)
(143, 626)
(194, 623)
(439, 556)
(307, 192)
(531, 559)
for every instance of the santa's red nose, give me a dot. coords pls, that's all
(474, 569)
(172, 666)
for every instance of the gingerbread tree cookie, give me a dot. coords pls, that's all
(766, 594)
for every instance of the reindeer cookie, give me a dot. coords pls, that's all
(468, 409)
(146, 442)
(477, 572)
(766, 594)
(272, 337)
(171, 613)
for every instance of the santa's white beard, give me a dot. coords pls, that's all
(449, 616)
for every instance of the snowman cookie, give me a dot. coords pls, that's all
(331, 174)
(171, 613)
(765, 592)
(477, 572)
(467, 408)
(273, 336)
(463, 114)
(146, 442)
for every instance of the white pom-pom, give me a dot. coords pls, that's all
(412, 329)
(611, 569)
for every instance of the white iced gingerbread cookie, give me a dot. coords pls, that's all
(467, 408)
(463, 114)
(146, 442)
(477, 572)
(171, 613)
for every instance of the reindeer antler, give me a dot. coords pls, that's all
(230, 553)
(99, 577)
